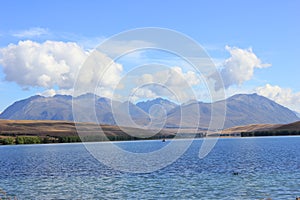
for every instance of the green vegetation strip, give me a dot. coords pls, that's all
(9, 140)
(271, 133)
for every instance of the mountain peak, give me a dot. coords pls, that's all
(62, 96)
(166, 104)
(242, 96)
(88, 96)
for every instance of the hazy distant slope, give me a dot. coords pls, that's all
(40, 108)
(59, 107)
(242, 109)
(255, 109)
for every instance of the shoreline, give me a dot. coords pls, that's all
(149, 140)
(17, 132)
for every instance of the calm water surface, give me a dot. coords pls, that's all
(267, 168)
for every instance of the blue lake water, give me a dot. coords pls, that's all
(267, 168)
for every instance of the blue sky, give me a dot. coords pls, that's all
(270, 28)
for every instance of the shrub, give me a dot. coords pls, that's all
(7, 140)
(28, 140)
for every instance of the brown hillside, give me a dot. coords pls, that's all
(66, 128)
(250, 128)
(292, 126)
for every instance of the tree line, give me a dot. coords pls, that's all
(9, 140)
(271, 133)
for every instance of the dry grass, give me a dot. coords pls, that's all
(250, 128)
(263, 127)
(66, 128)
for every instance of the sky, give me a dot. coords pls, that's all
(255, 46)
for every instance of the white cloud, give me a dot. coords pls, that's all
(45, 64)
(172, 77)
(32, 32)
(53, 92)
(142, 93)
(172, 83)
(99, 74)
(238, 68)
(55, 64)
(48, 93)
(283, 96)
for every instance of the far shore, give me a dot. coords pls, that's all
(48, 132)
(141, 140)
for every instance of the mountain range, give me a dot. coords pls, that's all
(241, 109)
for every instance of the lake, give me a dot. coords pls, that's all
(236, 168)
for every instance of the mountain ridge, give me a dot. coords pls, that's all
(241, 109)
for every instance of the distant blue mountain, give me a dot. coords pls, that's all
(297, 114)
(241, 109)
(164, 103)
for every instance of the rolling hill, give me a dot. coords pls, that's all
(264, 130)
(52, 128)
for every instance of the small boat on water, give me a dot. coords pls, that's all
(164, 140)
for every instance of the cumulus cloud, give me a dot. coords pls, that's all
(238, 68)
(48, 93)
(55, 64)
(99, 74)
(45, 64)
(172, 83)
(283, 96)
(142, 93)
(172, 77)
(32, 32)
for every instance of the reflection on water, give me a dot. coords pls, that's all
(239, 168)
